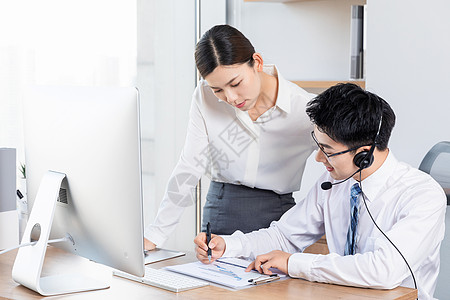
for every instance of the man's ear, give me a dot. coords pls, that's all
(364, 149)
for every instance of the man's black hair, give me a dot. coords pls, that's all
(351, 116)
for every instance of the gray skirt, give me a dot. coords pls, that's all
(231, 207)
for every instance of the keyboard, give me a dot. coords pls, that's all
(167, 280)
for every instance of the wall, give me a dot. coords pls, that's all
(166, 79)
(145, 82)
(409, 66)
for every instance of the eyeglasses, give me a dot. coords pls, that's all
(334, 154)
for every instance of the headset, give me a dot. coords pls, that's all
(364, 159)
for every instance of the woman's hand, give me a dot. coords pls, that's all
(148, 245)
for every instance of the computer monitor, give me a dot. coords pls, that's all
(83, 160)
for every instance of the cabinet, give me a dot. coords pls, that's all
(317, 87)
(359, 2)
(278, 0)
(317, 22)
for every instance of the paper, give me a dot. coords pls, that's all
(239, 262)
(245, 263)
(230, 273)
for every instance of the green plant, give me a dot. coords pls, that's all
(23, 170)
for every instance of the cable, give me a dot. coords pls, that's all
(19, 246)
(64, 239)
(376, 225)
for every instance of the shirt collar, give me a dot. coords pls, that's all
(283, 100)
(283, 96)
(377, 180)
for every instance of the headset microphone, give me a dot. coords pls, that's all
(328, 185)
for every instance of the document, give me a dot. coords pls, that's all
(229, 272)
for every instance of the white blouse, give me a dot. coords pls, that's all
(225, 144)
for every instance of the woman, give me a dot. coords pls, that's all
(248, 131)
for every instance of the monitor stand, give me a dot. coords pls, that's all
(27, 267)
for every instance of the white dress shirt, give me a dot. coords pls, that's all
(407, 204)
(225, 144)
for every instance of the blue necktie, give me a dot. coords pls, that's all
(350, 246)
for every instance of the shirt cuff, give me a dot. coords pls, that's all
(151, 233)
(233, 246)
(300, 265)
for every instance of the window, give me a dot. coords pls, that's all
(52, 42)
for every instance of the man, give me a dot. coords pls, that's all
(352, 128)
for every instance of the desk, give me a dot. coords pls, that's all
(61, 262)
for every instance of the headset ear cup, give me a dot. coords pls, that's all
(359, 157)
(363, 159)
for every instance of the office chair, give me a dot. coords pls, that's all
(437, 163)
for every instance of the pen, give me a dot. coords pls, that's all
(208, 239)
(264, 279)
(231, 264)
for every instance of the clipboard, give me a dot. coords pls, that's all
(159, 254)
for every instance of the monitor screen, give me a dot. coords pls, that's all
(92, 135)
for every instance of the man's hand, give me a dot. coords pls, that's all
(217, 245)
(148, 245)
(275, 259)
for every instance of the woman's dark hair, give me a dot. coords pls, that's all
(351, 116)
(222, 45)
